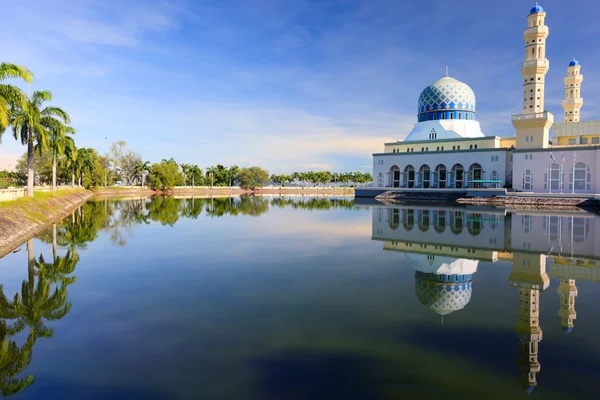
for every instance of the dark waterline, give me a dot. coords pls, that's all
(302, 298)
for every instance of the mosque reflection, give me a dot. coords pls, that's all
(446, 244)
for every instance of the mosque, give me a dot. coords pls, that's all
(446, 148)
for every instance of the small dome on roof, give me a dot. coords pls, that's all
(536, 9)
(573, 63)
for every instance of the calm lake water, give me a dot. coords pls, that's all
(303, 298)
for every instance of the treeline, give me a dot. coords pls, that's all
(312, 178)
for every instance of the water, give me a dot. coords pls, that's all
(298, 298)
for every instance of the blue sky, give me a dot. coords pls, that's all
(287, 84)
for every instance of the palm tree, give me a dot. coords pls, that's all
(84, 163)
(211, 171)
(13, 361)
(70, 153)
(58, 143)
(233, 173)
(194, 170)
(185, 168)
(29, 124)
(37, 303)
(11, 96)
(169, 161)
(141, 168)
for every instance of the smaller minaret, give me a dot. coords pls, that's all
(573, 101)
(567, 291)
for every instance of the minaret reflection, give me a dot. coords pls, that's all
(567, 291)
(530, 277)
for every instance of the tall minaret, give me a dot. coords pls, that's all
(533, 124)
(573, 101)
(567, 291)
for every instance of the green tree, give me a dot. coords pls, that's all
(57, 144)
(196, 174)
(253, 177)
(185, 169)
(29, 123)
(70, 157)
(232, 173)
(141, 168)
(210, 172)
(11, 97)
(165, 176)
(13, 359)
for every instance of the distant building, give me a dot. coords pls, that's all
(446, 148)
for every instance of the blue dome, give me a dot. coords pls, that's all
(536, 9)
(446, 94)
(573, 63)
(443, 294)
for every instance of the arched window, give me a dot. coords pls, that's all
(475, 174)
(580, 228)
(581, 177)
(394, 218)
(459, 115)
(474, 224)
(425, 176)
(552, 177)
(475, 146)
(453, 147)
(395, 176)
(452, 115)
(527, 180)
(440, 176)
(458, 176)
(408, 219)
(409, 177)
(471, 146)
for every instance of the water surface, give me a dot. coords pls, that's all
(302, 298)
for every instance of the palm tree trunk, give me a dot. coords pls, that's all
(212, 180)
(30, 166)
(54, 173)
(54, 243)
(193, 181)
(30, 264)
(73, 177)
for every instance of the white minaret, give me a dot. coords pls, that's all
(573, 101)
(533, 124)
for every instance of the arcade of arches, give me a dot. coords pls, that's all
(441, 177)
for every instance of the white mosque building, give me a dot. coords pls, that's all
(446, 148)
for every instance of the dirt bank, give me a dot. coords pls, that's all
(543, 203)
(22, 219)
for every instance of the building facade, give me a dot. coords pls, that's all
(446, 148)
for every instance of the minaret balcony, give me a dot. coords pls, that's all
(541, 63)
(521, 117)
(536, 31)
(575, 102)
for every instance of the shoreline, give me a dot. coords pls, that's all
(24, 218)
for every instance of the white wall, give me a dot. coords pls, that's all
(539, 161)
(382, 163)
